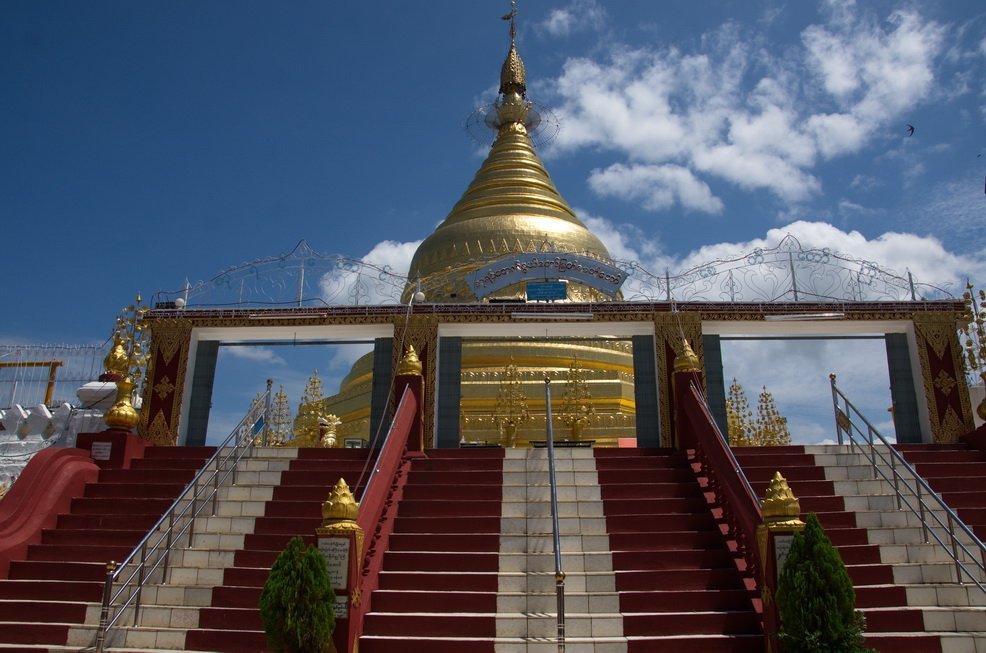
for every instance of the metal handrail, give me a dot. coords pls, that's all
(929, 504)
(553, 484)
(202, 491)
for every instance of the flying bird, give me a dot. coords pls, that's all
(910, 130)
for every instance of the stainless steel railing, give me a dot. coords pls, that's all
(125, 580)
(553, 483)
(938, 520)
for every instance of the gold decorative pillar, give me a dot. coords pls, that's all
(421, 333)
(945, 389)
(340, 541)
(170, 341)
(781, 520)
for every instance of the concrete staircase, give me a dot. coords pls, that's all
(905, 588)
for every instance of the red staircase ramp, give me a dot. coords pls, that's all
(232, 624)
(50, 589)
(438, 586)
(678, 583)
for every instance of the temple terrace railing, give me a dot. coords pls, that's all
(787, 272)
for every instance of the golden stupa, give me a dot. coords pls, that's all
(512, 206)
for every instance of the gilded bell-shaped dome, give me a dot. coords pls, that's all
(511, 206)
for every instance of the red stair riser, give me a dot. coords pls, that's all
(684, 600)
(444, 542)
(678, 579)
(449, 509)
(397, 580)
(231, 618)
(434, 601)
(413, 625)
(33, 633)
(489, 524)
(691, 623)
(462, 562)
(42, 590)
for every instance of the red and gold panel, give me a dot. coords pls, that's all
(944, 383)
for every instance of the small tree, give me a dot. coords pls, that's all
(296, 603)
(816, 599)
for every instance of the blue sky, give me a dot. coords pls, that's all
(146, 143)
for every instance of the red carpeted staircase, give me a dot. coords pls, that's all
(232, 622)
(438, 588)
(677, 581)
(48, 592)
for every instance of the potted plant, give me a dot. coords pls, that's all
(816, 599)
(296, 604)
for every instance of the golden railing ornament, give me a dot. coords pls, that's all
(410, 364)
(125, 364)
(339, 510)
(687, 359)
(781, 509)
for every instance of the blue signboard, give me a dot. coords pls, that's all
(547, 291)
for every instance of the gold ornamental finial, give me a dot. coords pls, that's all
(340, 510)
(410, 364)
(781, 509)
(687, 360)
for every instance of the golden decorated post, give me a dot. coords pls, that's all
(782, 519)
(340, 541)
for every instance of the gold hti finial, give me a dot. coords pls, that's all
(512, 75)
(687, 360)
(340, 510)
(781, 509)
(410, 364)
(126, 362)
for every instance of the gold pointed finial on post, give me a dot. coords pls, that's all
(687, 359)
(339, 510)
(781, 509)
(410, 364)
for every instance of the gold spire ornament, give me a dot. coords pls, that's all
(311, 414)
(126, 361)
(769, 429)
(772, 429)
(739, 420)
(577, 407)
(511, 405)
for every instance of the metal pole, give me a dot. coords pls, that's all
(910, 282)
(559, 574)
(955, 547)
(835, 407)
(794, 279)
(104, 610)
(267, 405)
(924, 522)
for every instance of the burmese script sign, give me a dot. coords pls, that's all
(519, 268)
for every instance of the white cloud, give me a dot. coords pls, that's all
(658, 187)
(924, 256)
(250, 353)
(380, 282)
(580, 15)
(678, 119)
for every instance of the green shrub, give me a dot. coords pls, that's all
(815, 597)
(296, 603)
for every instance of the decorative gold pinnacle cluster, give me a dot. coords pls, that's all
(577, 408)
(126, 363)
(131, 344)
(511, 404)
(768, 429)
